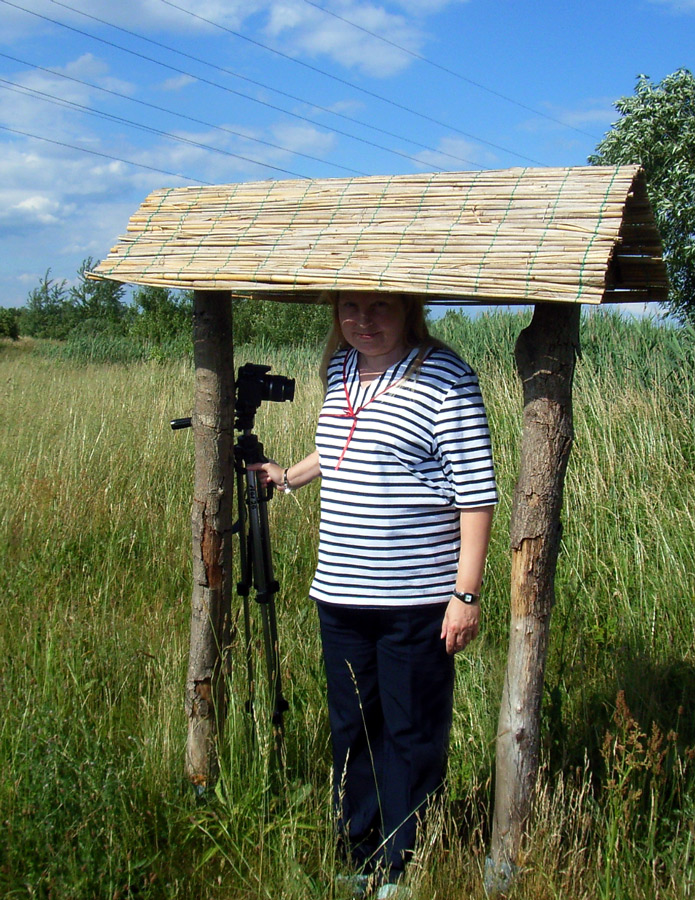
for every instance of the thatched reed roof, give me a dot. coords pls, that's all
(582, 235)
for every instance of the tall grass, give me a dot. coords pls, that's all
(95, 543)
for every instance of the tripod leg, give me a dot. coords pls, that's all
(248, 646)
(266, 587)
(244, 587)
(272, 656)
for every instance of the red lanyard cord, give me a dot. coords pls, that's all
(350, 413)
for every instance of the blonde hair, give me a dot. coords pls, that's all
(416, 333)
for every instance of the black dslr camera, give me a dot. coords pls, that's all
(254, 385)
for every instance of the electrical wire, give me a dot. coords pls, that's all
(129, 162)
(218, 85)
(293, 97)
(71, 104)
(448, 71)
(171, 112)
(345, 81)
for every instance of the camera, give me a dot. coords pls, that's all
(254, 385)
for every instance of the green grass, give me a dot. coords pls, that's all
(95, 495)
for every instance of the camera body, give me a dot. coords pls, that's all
(254, 385)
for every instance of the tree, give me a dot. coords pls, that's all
(97, 305)
(161, 314)
(278, 324)
(657, 130)
(49, 311)
(9, 326)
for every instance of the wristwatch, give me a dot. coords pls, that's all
(466, 597)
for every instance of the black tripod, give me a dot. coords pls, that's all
(254, 385)
(257, 569)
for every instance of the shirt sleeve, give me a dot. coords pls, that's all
(462, 444)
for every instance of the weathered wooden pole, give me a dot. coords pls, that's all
(545, 356)
(211, 520)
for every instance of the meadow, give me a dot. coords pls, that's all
(95, 493)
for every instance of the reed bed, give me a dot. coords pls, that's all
(95, 538)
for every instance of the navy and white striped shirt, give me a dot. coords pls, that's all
(399, 459)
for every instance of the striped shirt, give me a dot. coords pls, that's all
(399, 459)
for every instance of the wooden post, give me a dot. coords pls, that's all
(545, 358)
(211, 520)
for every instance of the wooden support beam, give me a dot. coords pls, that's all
(545, 357)
(211, 522)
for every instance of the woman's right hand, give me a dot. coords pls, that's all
(302, 472)
(269, 473)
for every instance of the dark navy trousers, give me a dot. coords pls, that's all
(390, 688)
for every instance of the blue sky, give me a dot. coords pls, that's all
(103, 102)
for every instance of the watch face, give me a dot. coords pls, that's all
(467, 597)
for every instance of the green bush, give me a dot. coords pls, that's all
(9, 327)
(160, 315)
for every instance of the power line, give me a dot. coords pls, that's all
(345, 81)
(129, 162)
(448, 71)
(215, 83)
(71, 104)
(293, 97)
(173, 113)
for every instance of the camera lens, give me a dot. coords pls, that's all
(278, 389)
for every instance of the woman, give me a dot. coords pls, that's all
(407, 495)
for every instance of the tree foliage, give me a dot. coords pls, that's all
(657, 130)
(96, 306)
(54, 310)
(9, 327)
(48, 312)
(276, 324)
(157, 320)
(161, 314)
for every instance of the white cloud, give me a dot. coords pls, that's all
(318, 34)
(427, 7)
(38, 108)
(676, 6)
(177, 83)
(592, 113)
(135, 15)
(454, 154)
(303, 138)
(306, 28)
(39, 207)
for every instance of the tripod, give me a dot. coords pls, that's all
(257, 569)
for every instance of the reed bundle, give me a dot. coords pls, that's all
(582, 234)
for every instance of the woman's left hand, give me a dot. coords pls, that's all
(461, 624)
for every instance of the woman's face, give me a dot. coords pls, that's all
(374, 324)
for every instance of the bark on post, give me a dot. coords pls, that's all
(545, 358)
(211, 520)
